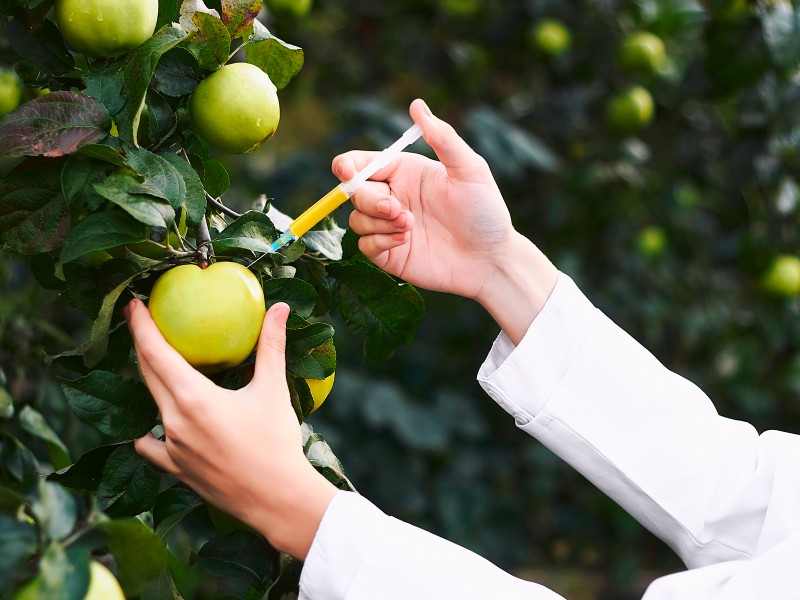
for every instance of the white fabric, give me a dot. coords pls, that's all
(724, 497)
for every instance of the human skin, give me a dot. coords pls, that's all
(440, 225)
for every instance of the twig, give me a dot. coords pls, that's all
(204, 249)
(221, 207)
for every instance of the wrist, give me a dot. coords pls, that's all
(291, 516)
(519, 287)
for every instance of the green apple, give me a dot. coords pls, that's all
(298, 8)
(11, 91)
(642, 52)
(550, 36)
(102, 586)
(631, 110)
(320, 388)
(211, 316)
(782, 277)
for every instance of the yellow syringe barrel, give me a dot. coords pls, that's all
(318, 211)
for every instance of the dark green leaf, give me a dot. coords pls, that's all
(167, 12)
(161, 178)
(252, 231)
(240, 554)
(195, 197)
(100, 231)
(159, 121)
(372, 302)
(43, 46)
(121, 409)
(298, 294)
(171, 506)
(105, 86)
(216, 178)
(140, 556)
(34, 423)
(17, 544)
(33, 213)
(55, 124)
(129, 485)
(300, 396)
(287, 583)
(6, 404)
(238, 15)
(55, 510)
(279, 60)
(302, 337)
(317, 364)
(87, 471)
(177, 73)
(137, 70)
(104, 153)
(147, 209)
(77, 183)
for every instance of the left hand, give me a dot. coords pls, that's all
(240, 450)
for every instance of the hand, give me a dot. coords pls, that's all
(444, 226)
(439, 225)
(240, 450)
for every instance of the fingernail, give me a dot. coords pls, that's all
(385, 207)
(401, 221)
(280, 313)
(426, 109)
(128, 310)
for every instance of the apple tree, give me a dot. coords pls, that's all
(105, 185)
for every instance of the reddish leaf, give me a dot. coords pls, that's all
(238, 15)
(54, 125)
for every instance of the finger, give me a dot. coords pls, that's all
(163, 398)
(156, 452)
(452, 150)
(374, 246)
(346, 165)
(375, 200)
(366, 225)
(271, 352)
(164, 361)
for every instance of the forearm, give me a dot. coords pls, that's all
(522, 282)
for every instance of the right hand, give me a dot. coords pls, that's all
(442, 225)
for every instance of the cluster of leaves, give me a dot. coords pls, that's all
(106, 186)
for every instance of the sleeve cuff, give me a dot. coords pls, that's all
(550, 346)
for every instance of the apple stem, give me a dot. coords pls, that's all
(204, 250)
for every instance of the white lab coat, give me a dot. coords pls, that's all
(725, 498)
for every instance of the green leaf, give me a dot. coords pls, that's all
(87, 472)
(140, 556)
(161, 178)
(215, 178)
(167, 12)
(373, 302)
(238, 15)
(137, 70)
(279, 60)
(171, 506)
(781, 25)
(17, 544)
(320, 455)
(238, 555)
(34, 423)
(55, 124)
(55, 510)
(120, 408)
(100, 231)
(212, 46)
(302, 337)
(77, 184)
(327, 241)
(317, 364)
(33, 213)
(286, 584)
(42, 46)
(300, 396)
(105, 86)
(299, 295)
(129, 485)
(195, 196)
(252, 231)
(177, 73)
(63, 574)
(104, 153)
(148, 209)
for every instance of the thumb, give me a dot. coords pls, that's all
(271, 352)
(453, 152)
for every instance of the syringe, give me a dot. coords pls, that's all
(342, 192)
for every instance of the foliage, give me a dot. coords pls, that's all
(105, 186)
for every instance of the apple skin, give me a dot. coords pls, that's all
(102, 586)
(320, 388)
(211, 316)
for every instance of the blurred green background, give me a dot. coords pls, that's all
(668, 221)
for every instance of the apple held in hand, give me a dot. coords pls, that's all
(211, 316)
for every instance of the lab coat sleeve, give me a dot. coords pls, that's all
(711, 487)
(359, 553)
